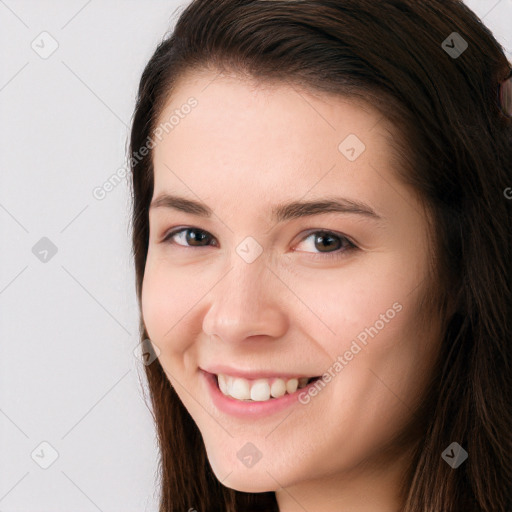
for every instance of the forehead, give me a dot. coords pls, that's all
(270, 139)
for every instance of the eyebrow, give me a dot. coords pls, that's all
(280, 212)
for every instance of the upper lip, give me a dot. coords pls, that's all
(252, 374)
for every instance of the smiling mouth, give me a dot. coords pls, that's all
(260, 390)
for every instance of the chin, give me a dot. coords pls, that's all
(240, 478)
(246, 481)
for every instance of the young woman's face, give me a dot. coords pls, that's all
(247, 286)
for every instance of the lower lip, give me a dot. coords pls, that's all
(253, 409)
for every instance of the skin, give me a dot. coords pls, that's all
(244, 148)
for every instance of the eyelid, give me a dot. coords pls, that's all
(338, 253)
(339, 234)
(178, 229)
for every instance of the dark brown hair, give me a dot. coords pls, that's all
(455, 148)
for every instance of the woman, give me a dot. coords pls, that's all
(373, 375)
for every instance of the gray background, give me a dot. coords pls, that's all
(68, 321)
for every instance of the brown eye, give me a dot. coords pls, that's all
(189, 237)
(326, 244)
(329, 242)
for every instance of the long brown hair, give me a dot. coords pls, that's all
(456, 152)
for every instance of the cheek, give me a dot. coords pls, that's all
(371, 315)
(375, 318)
(373, 302)
(166, 297)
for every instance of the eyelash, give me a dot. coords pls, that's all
(338, 253)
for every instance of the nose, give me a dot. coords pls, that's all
(248, 301)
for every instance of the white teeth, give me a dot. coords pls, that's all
(259, 390)
(278, 388)
(291, 385)
(240, 389)
(222, 383)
